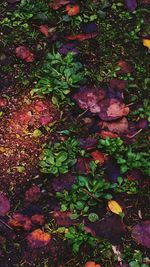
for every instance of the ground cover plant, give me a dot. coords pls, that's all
(74, 133)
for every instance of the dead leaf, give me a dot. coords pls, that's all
(105, 134)
(38, 219)
(98, 156)
(32, 194)
(3, 102)
(141, 233)
(72, 10)
(119, 126)
(124, 67)
(114, 207)
(44, 29)
(19, 220)
(4, 204)
(92, 264)
(118, 84)
(24, 53)
(38, 239)
(56, 4)
(131, 4)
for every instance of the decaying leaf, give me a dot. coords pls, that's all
(98, 156)
(56, 4)
(72, 10)
(19, 220)
(24, 53)
(32, 194)
(44, 29)
(115, 207)
(92, 264)
(38, 239)
(131, 4)
(118, 126)
(141, 233)
(4, 204)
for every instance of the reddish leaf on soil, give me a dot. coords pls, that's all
(131, 4)
(98, 156)
(119, 126)
(38, 239)
(88, 143)
(24, 53)
(82, 37)
(19, 220)
(3, 102)
(38, 219)
(92, 264)
(82, 166)
(46, 119)
(72, 10)
(112, 109)
(89, 98)
(111, 228)
(44, 29)
(124, 67)
(141, 233)
(105, 134)
(40, 106)
(118, 84)
(56, 4)
(63, 218)
(64, 181)
(32, 194)
(4, 204)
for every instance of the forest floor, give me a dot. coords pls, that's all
(74, 133)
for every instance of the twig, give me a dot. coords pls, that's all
(80, 115)
(131, 136)
(1, 221)
(91, 195)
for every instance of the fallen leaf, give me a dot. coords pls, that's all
(92, 264)
(118, 84)
(114, 207)
(105, 134)
(124, 67)
(72, 10)
(56, 4)
(118, 126)
(146, 42)
(82, 37)
(141, 233)
(32, 194)
(64, 181)
(38, 239)
(46, 119)
(88, 143)
(131, 4)
(19, 220)
(63, 218)
(98, 156)
(3, 102)
(89, 98)
(112, 109)
(4, 204)
(24, 53)
(44, 29)
(112, 170)
(38, 219)
(110, 227)
(82, 166)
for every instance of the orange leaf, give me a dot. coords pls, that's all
(38, 238)
(92, 264)
(98, 156)
(72, 10)
(146, 42)
(56, 4)
(44, 29)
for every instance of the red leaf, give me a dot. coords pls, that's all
(72, 10)
(46, 119)
(119, 126)
(4, 204)
(118, 84)
(105, 134)
(38, 219)
(63, 218)
(56, 4)
(32, 194)
(38, 239)
(97, 155)
(21, 221)
(82, 37)
(44, 29)
(124, 67)
(141, 233)
(24, 53)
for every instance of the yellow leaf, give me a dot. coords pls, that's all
(146, 42)
(114, 207)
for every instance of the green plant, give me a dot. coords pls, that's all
(59, 157)
(124, 155)
(77, 237)
(58, 75)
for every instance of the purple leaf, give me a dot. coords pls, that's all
(112, 170)
(63, 182)
(131, 4)
(4, 204)
(88, 143)
(141, 233)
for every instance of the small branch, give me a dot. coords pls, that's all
(131, 136)
(91, 195)
(1, 221)
(80, 115)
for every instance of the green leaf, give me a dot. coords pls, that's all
(93, 217)
(37, 133)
